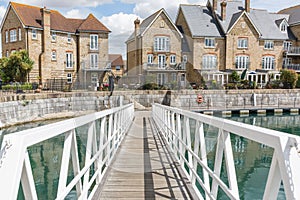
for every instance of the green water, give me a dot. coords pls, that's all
(252, 160)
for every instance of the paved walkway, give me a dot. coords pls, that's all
(143, 168)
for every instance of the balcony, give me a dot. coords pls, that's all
(165, 67)
(295, 67)
(292, 51)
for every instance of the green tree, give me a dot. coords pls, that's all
(16, 67)
(288, 78)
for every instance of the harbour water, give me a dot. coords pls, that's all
(252, 160)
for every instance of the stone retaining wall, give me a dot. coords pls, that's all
(29, 107)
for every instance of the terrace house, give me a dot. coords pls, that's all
(226, 36)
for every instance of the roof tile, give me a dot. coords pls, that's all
(31, 16)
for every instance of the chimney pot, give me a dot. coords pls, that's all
(215, 4)
(223, 9)
(247, 6)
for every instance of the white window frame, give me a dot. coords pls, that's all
(287, 61)
(269, 44)
(242, 43)
(94, 42)
(53, 36)
(34, 34)
(69, 78)
(268, 62)
(283, 27)
(69, 60)
(184, 58)
(242, 62)
(209, 42)
(161, 61)
(20, 34)
(118, 68)
(69, 38)
(13, 35)
(287, 45)
(150, 58)
(6, 36)
(7, 53)
(172, 59)
(161, 78)
(161, 44)
(94, 61)
(94, 78)
(209, 61)
(53, 55)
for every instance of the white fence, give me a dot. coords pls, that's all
(101, 146)
(189, 147)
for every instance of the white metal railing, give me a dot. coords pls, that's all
(190, 152)
(102, 143)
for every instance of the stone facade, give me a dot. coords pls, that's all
(231, 28)
(142, 44)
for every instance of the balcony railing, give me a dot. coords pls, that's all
(186, 134)
(177, 66)
(104, 131)
(293, 51)
(295, 67)
(87, 65)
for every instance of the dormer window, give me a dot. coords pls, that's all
(283, 27)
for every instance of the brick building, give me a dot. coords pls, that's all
(62, 48)
(117, 65)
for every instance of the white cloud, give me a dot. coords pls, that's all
(146, 8)
(64, 3)
(121, 26)
(75, 13)
(273, 6)
(2, 12)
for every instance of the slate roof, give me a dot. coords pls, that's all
(294, 13)
(266, 24)
(31, 16)
(200, 21)
(233, 10)
(148, 21)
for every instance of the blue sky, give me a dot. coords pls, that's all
(118, 15)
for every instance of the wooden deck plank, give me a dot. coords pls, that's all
(143, 168)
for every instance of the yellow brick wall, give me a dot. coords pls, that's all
(12, 22)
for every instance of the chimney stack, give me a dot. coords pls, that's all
(136, 26)
(215, 4)
(223, 10)
(247, 6)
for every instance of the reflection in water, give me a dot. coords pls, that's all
(252, 160)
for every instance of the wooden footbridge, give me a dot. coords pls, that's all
(158, 154)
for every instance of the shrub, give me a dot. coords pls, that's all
(288, 78)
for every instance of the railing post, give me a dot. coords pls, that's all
(173, 131)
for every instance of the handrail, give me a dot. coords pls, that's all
(100, 150)
(190, 152)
